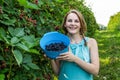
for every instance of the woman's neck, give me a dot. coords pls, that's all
(75, 38)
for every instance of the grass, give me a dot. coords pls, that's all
(109, 52)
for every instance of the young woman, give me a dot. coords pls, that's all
(82, 59)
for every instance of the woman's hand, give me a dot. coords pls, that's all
(67, 56)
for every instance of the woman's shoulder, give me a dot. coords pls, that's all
(92, 41)
(89, 39)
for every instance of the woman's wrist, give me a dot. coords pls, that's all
(75, 59)
(52, 60)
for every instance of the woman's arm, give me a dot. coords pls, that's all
(92, 67)
(55, 66)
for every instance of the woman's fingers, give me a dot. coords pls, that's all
(68, 56)
(63, 56)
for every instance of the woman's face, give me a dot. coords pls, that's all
(72, 24)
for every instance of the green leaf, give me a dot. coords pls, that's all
(1, 2)
(30, 38)
(34, 51)
(18, 56)
(3, 36)
(14, 40)
(32, 6)
(2, 33)
(27, 4)
(29, 41)
(5, 16)
(27, 59)
(8, 22)
(40, 3)
(19, 32)
(7, 40)
(2, 76)
(33, 66)
(11, 31)
(22, 2)
(42, 20)
(1, 57)
(3, 71)
(22, 46)
(26, 67)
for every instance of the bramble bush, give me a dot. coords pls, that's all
(22, 24)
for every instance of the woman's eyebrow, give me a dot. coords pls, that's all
(69, 19)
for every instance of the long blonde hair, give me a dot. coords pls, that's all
(83, 25)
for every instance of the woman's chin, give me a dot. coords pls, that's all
(72, 32)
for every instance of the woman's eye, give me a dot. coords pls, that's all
(70, 20)
(76, 21)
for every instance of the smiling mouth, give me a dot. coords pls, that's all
(72, 28)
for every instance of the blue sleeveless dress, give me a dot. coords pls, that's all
(70, 70)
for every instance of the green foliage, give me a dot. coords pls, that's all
(114, 23)
(27, 4)
(22, 24)
(109, 50)
(2, 76)
(18, 56)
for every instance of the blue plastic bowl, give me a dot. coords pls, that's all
(54, 37)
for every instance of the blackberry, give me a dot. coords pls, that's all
(2, 64)
(55, 46)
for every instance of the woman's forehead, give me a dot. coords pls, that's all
(72, 16)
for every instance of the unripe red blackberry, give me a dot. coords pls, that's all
(37, 78)
(56, 28)
(3, 66)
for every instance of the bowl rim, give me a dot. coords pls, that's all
(60, 40)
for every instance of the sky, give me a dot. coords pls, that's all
(103, 9)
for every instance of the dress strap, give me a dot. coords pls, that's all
(87, 38)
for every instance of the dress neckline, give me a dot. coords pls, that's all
(78, 42)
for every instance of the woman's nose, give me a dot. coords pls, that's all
(73, 23)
